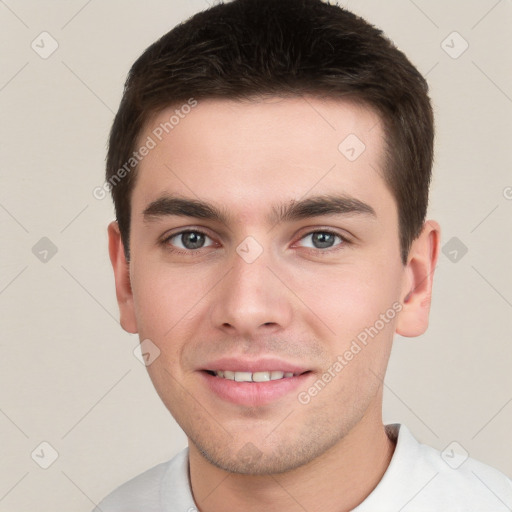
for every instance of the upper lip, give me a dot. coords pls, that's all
(256, 365)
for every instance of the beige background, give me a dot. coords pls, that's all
(68, 373)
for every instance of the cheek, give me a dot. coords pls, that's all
(359, 305)
(351, 298)
(164, 301)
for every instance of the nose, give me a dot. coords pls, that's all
(250, 300)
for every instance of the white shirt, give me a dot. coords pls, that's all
(418, 479)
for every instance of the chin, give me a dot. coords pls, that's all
(258, 458)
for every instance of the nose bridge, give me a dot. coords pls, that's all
(250, 296)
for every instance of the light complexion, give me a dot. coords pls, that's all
(268, 173)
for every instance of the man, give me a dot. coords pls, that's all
(270, 165)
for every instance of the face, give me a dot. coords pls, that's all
(265, 248)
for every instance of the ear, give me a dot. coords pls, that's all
(417, 290)
(122, 278)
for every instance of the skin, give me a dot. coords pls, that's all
(296, 301)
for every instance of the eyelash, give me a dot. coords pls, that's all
(193, 252)
(325, 252)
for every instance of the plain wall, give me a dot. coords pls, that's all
(68, 373)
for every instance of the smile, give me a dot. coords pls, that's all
(257, 388)
(262, 376)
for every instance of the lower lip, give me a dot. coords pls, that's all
(253, 393)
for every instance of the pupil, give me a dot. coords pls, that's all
(192, 240)
(323, 240)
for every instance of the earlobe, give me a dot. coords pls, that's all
(417, 291)
(122, 279)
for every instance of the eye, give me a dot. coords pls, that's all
(190, 240)
(321, 240)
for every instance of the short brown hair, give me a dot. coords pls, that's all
(249, 48)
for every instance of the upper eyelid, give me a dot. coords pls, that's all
(206, 232)
(344, 238)
(167, 236)
(165, 241)
(343, 235)
(335, 233)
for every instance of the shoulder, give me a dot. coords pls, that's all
(422, 478)
(463, 483)
(144, 492)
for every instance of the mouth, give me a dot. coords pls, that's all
(254, 388)
(260, 376)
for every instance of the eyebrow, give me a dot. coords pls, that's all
(293, 210)
(320, 205)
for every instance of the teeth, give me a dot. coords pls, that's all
(253, 377)
(261, 376)
(243, 376)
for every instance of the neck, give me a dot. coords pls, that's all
(338, 480)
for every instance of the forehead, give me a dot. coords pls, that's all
(249, 154)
